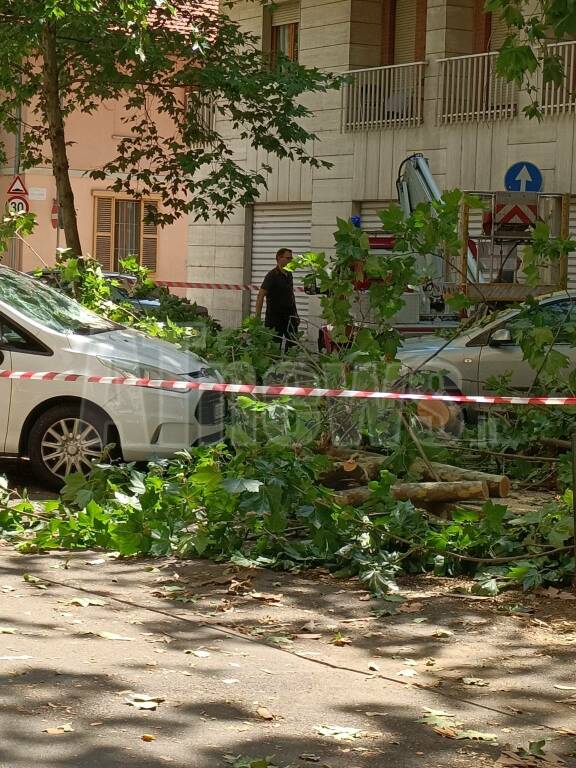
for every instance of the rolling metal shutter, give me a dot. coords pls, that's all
(405, 31)
(286, 13)
(279, 226)
(370, 221)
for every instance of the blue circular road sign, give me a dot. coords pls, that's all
(523, 177)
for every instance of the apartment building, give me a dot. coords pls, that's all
(422, 79)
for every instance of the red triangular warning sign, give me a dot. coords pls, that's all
(17, 187)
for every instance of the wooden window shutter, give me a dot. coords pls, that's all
(421, 24)
(498, 31)
(388, 26)
(482, 24)
(104, 231)
(149, 247)
(405, 31)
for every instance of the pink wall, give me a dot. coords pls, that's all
(95, 138)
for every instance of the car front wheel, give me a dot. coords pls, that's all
(66, 439)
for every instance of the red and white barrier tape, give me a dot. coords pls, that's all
(217, 286)
(276, 391)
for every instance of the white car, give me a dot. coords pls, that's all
(63, 426)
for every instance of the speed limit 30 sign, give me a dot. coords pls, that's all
(18, 205)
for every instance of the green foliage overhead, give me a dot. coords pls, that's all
(526, 49)
(170, 63)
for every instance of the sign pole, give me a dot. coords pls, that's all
(15, 253)
(57, 221)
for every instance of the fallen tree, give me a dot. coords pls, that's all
(459, 490)
(498, 485)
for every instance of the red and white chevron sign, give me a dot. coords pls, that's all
(515, 213)
(277, 391)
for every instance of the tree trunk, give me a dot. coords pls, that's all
(556, 442)
(420, 492)
(498, 485)
(359, 467)
(442, 491)
(55, 123)
(355, 497)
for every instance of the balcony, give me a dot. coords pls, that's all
(472, 91)
(560, 99)
(383, 97)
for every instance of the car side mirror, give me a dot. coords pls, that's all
(501, 338)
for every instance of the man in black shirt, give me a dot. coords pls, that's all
(278, 290)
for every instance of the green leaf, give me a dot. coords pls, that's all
(458, 301)
(493, 515)
(488, 587)
(235, 485)
(552, 69)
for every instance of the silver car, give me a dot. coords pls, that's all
(466, 363)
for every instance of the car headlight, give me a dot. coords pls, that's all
(134, 370)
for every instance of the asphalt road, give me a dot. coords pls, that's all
(254, 663)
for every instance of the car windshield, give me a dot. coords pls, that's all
(49, 307)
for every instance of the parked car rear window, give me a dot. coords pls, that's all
(50, 308)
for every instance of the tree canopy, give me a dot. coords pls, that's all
(526, 50)
(171, 61)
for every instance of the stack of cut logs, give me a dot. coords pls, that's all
(440, 484)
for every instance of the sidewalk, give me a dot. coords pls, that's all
(257, 664)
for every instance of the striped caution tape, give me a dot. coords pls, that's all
(217, 286)
(277, 391)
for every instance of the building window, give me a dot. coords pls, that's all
(285, 41)
(203, 105)
(124, 227)
(403, 31)
(490, 30)
(285, 23)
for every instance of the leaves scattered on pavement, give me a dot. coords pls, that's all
(112, 636)
(536, 756)
(59, 729)
(86, 602)
(143, 701)
(241, 761)
(446, 725)
(34, 581)
(265, 714)
(340, 732)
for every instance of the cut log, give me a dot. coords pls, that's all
(556, 442)
(357, 468)
(459, 490)
(421, 492)
(498, 485)
(355, 497)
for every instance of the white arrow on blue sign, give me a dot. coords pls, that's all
(523, 177)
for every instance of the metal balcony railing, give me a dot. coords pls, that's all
(383, 97)
(472, 91)
(560, 99)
